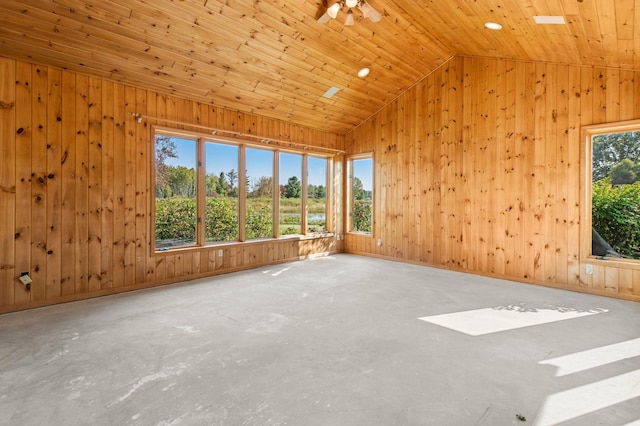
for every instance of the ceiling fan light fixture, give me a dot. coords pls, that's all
(348, 21)
(365, 8)
(369, 12)
(333, 10)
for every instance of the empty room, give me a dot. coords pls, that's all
(319, 212)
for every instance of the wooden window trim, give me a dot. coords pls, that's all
(348, 196)
(201, 139)
(586, 147)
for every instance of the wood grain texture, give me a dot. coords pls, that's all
(517, 169)
(75, 188)
(23, 143)
(7, 181)
(276, 61)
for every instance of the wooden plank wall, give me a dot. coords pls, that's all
(75, 187)
(478, 169)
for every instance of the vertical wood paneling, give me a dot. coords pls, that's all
(572, 177)
(67, 178)
(54, 182)
(119, 186)
(512, 179)
(23, 179)
(468, 228)
(436, 164)
(489, 146)
(539, 164)
(95, 184)
(7, 180)
(142, 139)
(107, 187)
(500, 169)
(39, 183)
(559, 254)
(75, 187)
(517, 203)
(519, 176)
(82, 212)
(447, 166)
(477, 168)
(531, 252)
(130, 189)
(550, 177)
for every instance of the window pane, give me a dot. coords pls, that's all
(616, 195)
(221, 190)
(260, 191)
(317, 194)
(290, 194)
(176, 207)
(361, 211)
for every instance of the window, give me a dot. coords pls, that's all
(316, 195)
(290, 222)
(221, 192)
(360, 194)
(612, 191)
(259, 202)
(176, 188)
(218, 191)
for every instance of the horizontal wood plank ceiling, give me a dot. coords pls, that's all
(271, 57)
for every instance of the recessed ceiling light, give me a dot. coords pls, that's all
(558, 20)
(493, 26)
(329, 93)
(363, 72)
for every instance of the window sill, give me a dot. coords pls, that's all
(613, 262)
(229, 244)
(360, 234)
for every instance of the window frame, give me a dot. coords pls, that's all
(349, 193)
(587, 134)
(201, 139)
(328, 195)
(241, 187)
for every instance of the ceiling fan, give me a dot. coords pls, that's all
(365, 8)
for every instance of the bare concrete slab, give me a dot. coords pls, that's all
(330, 341)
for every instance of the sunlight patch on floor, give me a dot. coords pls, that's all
(596, 357)
(502, 318)
(576, 402)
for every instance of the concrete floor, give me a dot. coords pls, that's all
(330, 341)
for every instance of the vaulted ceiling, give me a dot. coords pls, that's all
(271, 57)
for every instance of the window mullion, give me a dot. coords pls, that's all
(200, 193)
(276, 194)
(242, 193)
(330, 206)
(305, 183)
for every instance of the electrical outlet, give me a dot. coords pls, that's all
(25, 279)
(220, 253)
(379, 242)
(588, 269)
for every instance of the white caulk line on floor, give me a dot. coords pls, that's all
(279, 272)
(492, 320)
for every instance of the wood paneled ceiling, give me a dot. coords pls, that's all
(271, 57)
